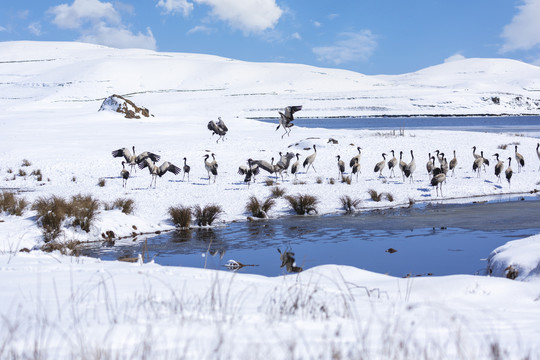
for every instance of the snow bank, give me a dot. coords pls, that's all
(518, 259)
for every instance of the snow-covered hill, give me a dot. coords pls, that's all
(74, 72)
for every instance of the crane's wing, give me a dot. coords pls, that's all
(147, 162)
(122, 152)
(265, 165)
(242, 170)
(290, 110)
(167, 166)
(154, 157)
(222, 125)
(212, 126)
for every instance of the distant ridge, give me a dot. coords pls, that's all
(71, 72)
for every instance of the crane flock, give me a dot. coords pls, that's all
(437, 175)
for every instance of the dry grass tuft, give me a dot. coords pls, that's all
(303, 204)
(349, 204)
(101, 182)
(51, 213)
(11, 204)
(180, 216)
(83, 208)
(258, 209)
(378, 197)
(26, 163)
(71, 248)
(126, 205)
(37, 173)
(207, 215)
(277, 192)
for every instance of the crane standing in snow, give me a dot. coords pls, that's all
(186, 169)
(124, 174)
(310, 159)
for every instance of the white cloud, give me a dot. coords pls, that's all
(99, 23)
(523, 33)
(119, 37)
(296, 36)
(2, 28)
(316, 24)
(246, 15)
(81, 11)
(352, 46)
(176, 6)
(200, 29)
(455, 57)
(35, 28)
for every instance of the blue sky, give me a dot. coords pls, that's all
(370, 37)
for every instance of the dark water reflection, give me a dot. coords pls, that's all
(440, 239)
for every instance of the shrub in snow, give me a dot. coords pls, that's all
(207, 215)
(180, 216)
(258, 209)
(375, 196)
(303, 204)
(349, 204)
(51, 213)
(277, 192)
(83, 209)
(125, 205)
(122, 105)
(11, 204)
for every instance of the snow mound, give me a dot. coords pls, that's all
(120, 104)
(518, 259)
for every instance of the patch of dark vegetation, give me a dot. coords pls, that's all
(259, 209)
(71, 248)
(53, 211)
(180, 216)
(125, 205)
(207, 215)
(37, 173)
(83, 209)
(303, 204)
(277, 192)
(375, 196)
(349, 204)
(12, 204)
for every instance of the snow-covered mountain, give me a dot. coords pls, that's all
(59, 72)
